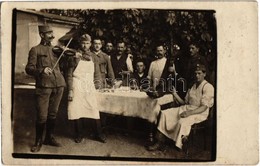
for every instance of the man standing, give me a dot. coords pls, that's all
(82, 101)
(195, 58)
(157, 67)
(109, 49)
(121, 62)
(49, 87)
(105, 68)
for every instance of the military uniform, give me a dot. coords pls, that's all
(104, 72)
(49, 89)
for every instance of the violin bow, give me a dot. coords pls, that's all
(61, 54)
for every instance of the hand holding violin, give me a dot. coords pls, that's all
(78, 55)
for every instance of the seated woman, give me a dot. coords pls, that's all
(82, 98)
(175, 123)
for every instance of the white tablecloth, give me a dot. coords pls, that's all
(131, 103)
(127, 103)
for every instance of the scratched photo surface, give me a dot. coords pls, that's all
(136, 61)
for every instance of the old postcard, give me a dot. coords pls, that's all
(129, 82)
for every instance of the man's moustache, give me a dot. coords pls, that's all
(52, 37)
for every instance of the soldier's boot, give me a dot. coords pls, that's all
(78, 134)
(49, 138)
(99, 134)
(38, 140)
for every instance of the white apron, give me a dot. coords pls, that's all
(84, 103)
(175, 127)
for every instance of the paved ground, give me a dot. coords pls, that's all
(122, 143)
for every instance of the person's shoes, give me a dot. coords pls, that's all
(101, 138)
(37, 146)
(38, 140)
(51, 141)
(78, 139)
(156, 146)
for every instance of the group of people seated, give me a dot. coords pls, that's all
(89, 70)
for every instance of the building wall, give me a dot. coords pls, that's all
(28, 36)
(23, 39)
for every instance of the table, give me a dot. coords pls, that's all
(127, 103)
(131, 104)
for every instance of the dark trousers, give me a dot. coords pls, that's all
(47, 103)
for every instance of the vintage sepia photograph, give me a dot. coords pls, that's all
(114, 84)
(129, 83)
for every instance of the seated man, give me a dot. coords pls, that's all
(140, 76)
(175, 123)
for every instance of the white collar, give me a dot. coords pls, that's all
(141, 75)
(162, 59)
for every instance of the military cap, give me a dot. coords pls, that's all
(44, 28)
(200, 67)
(85, 37)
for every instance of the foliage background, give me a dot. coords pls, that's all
(142, 29)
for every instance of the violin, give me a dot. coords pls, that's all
(68, 51)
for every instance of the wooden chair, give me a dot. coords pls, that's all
(206, 127)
